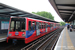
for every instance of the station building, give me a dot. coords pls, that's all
(4, 23)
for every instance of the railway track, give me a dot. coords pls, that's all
(41, 42)
(50, 43)
(31, 46)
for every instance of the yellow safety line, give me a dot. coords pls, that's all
(69, 42)
(62, 42)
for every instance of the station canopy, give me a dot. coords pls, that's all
(10, 11)
(65, 9)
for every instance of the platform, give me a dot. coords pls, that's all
(66, 40)
(3, 37)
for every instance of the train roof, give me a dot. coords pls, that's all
(10, 11)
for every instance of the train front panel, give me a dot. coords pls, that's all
(17, 29)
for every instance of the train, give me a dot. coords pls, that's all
(29, 29)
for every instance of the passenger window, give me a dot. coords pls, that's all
(42, 25)
(33, 25)
(50, 25)
(29, 26)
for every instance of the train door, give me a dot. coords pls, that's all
(37, 29)
(55, 25)
(46, 27)
(49, 26)
(42, 27)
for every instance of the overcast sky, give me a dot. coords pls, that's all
(33, 6)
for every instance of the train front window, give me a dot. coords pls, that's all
(17, 24)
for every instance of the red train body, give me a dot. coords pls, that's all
(28, 29)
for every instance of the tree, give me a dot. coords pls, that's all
(45, 14)
(62, 23)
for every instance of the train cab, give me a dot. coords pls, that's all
(16, 29)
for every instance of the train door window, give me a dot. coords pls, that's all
(51, 25)
(33, 25)
(47, 25)
(29, 28)
(39, 25)
(44, 25)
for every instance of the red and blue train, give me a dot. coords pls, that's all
(28, 29)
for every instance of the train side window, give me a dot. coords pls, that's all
(29, 28)
(50, 25)
(42, 25)
(33, 25)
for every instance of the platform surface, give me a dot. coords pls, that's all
(3, 37)
(66, 40)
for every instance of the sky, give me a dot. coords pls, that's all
(33, 6)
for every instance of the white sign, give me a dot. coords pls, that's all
(4, 25)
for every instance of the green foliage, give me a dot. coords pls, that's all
(45, 14)
(62, 23)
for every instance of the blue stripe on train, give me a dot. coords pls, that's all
(29, 33)
(42, 32)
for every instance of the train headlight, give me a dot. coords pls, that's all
(9, 34)
(23, 34)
